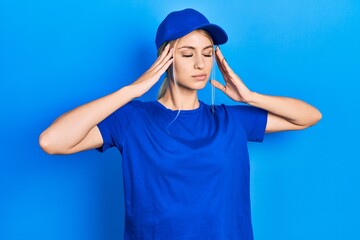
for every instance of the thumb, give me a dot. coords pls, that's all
(217, 85)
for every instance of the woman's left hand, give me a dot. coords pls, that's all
(234, 87)
(283, 113)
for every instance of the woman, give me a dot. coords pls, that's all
(185, 163)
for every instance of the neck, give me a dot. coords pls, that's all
(180, 98)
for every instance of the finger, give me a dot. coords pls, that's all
(161, 60)
(164, 61)
(171, 53)
(166, 65)
(165, 51)
(218, 53)
(219, 56)
(220, 60)
(162, 56)
(155, 75)
(225, 68)
(218, 85)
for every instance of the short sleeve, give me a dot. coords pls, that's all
(113, 128)
(253, 121)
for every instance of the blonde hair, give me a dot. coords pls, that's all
(165, 83)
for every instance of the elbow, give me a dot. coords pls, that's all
(45, 143)
(48, 144)
(315, 118)
(319, 116)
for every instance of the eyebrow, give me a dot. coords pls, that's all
(193, 48)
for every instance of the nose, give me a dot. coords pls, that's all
(199, 62)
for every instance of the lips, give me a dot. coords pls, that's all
(200, 77)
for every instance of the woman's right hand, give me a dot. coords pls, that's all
(153, 74)
(77, 129)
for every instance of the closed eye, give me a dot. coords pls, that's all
(190, 55)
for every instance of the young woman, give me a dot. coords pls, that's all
(185, 163)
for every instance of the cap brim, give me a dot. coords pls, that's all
(218, 34)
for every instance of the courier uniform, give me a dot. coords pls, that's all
(186, 175)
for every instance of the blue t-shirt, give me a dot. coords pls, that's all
(186, 175)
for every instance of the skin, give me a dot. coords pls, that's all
(193, 60)
(77, 129)
(284, 113)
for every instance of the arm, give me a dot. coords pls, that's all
(283, 113)
(77, 129)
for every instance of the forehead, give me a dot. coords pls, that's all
(197, 39)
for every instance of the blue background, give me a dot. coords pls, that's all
(56, 55)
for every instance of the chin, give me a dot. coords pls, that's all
(199, 85)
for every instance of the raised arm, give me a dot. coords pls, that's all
(77, 129)
(283, 113)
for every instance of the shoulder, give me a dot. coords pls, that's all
(141, 106)
(125, 110)
(252, 119)
(240, 109)
(136, 108)
(242, 113)
(135, 105)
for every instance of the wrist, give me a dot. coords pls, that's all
(251, 98)
(131, 91)
(127, 92)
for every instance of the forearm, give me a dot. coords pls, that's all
(72, 127)
(75, 130)
(293, 110)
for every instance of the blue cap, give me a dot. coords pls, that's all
(180, 23)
